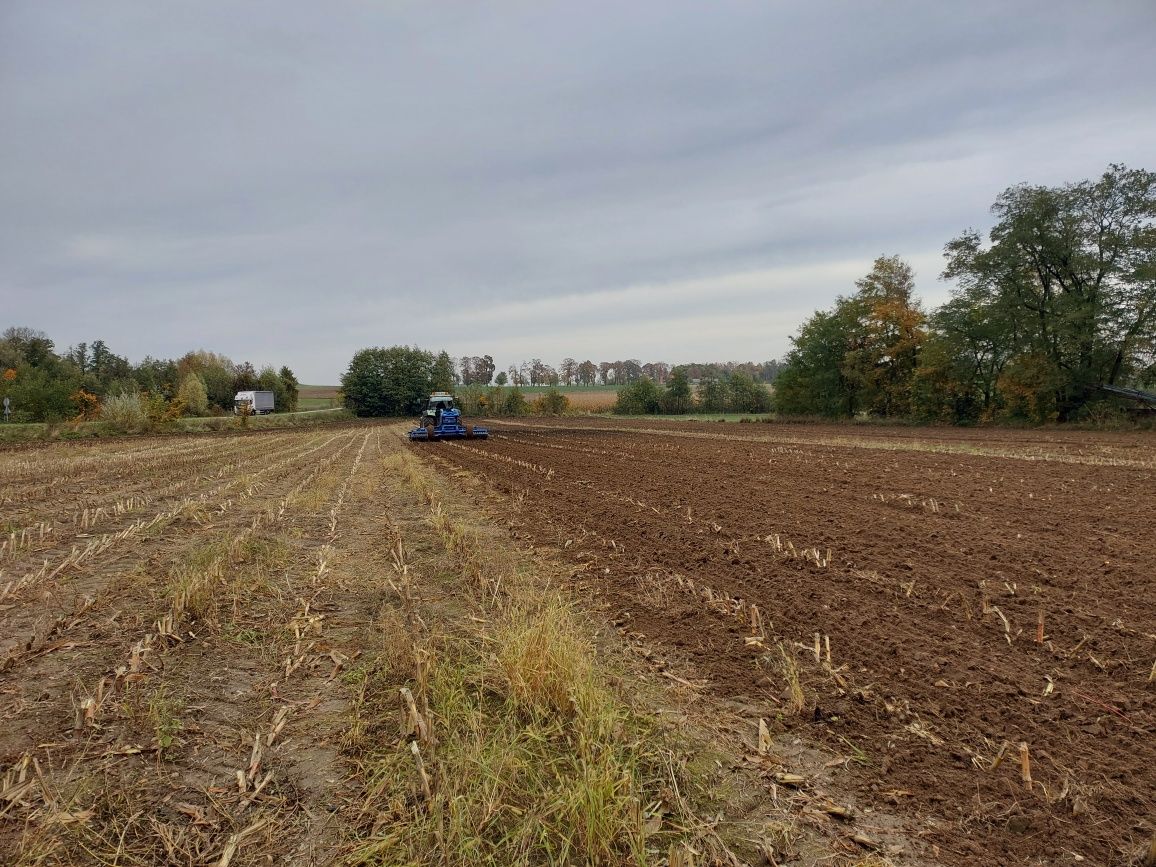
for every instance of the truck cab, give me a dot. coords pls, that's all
(253, 402)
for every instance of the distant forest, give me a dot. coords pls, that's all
(480, 370)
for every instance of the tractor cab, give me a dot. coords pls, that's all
(440, 403)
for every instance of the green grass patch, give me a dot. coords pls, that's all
(535, 759)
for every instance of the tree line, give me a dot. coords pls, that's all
(397, 381)
(715, 390)
(1059, 300)
(89, 381)
(481, 370)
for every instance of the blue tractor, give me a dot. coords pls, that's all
(441, 420)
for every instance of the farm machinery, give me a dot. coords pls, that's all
(1145, 399)
(441, 420)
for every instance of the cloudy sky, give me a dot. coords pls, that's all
(288, 182)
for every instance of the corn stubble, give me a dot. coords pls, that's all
(514, 746)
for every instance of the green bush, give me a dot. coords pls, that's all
(193, 392)
(515, 403)
(552, 402)
(746, 395)
(126, 412)
(641, 397)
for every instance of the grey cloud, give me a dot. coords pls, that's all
(351, 171)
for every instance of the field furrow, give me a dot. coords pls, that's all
(926, 607)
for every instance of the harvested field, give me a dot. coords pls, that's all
(966, 618)
(173, 611)
(279, 648)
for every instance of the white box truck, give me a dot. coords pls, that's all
(258, 402)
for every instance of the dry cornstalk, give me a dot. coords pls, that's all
(1149, 860)
(1025, 765)
(764, 737)
(257, 789)
(1152, 676)
(818, 650)
(836, 810)
(680, 855)
(786, 779)
(1040, 628)
(998, 760)
(1006, 624)
(422, 776)
(279, 720)
(415, 723)
(235, 840)
(255, 758)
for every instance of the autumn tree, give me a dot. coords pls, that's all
(194, 395)
(587, 372)
(244, 378)
(476, 369)
(889, 333)
(1068, 275)
(861, 355)
(677, 399)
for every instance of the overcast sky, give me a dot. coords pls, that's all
(287, 182)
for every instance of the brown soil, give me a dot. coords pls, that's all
(928, 560)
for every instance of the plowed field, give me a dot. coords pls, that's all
(972, 614)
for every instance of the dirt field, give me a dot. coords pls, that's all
(972, 614)
(202, 641)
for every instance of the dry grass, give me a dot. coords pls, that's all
(594, 400)
(531, 752)
(789, 669)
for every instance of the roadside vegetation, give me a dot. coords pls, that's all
(102, 427)
(90, 382)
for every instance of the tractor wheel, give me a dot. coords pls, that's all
(429, 431)
(469, 431)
